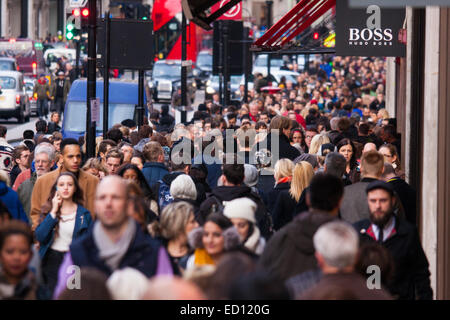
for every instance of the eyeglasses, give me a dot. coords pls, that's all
(387, 155)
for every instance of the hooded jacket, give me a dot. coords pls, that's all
(154, 171)
(291, 250)
(230, 193)
(11, 200)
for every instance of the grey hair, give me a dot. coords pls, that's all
(183, 187)
(45, 147)
(334, 123)
(337, 242)
(335, 164)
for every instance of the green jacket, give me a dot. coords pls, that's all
(24, 191)
(42, 90)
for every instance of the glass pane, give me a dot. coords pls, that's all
(7, 83)
(75, 115)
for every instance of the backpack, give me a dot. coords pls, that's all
(164, 196)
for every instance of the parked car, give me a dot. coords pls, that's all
(8, 64)
(165, 79)
(212, 85)
(29, 86)
(123, 98)
(13, 97)
(203, 68)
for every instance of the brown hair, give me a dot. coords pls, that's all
(372, 163)
(152, 150)
(280, 123)
(77, 197)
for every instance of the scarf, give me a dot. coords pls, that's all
(253, 241)
(109, 252)
(202, 257)
(285, 179)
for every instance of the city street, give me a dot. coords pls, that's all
(317, 167)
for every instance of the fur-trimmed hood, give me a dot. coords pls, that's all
(231, 236)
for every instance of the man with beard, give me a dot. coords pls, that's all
(412, 277)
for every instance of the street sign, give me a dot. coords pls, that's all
(95, 110)
(398, 3)
(77, 3)
(235, 13)
(372, 31)
(74, 20)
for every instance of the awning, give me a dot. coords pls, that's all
(297, 20)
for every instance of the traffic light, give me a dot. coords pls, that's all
(144, 12)
(84, 16)
(70, 31)
(316, 36)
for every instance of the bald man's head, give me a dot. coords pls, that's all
(111, 201)
(172, 288)
(369, 146)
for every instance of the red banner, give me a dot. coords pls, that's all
(235, 13)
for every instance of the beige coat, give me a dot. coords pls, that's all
(41, 191)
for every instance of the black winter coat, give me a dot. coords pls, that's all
(411, 269)
(290, 251)
(284, 210)
(285, 150)
(273, 195)
(407, 197)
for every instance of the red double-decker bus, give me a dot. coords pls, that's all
(166, 16)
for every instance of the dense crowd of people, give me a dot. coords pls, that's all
(300, 192)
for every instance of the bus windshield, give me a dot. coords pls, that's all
(16, 49)
(75, 115)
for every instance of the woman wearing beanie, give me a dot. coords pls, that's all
(241, 212)
(212, 241)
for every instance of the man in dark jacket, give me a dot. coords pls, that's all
(154, 168)
(277, 141)
(115, 241)
(404, 191)
(411, 269)
(354, 204)
(232, 187)
(291, 251)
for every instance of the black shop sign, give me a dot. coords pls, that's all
(372, 31)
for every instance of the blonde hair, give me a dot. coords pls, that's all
(173, 220)
(283, 168)
(301, 178)
(317, 141)
(384, 114)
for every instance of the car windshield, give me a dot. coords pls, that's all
(204, 60)
(261, 61)
(16, 49)
(7, 83)
(169, 70)
(6, 65)
(29, 86)
(75, 115)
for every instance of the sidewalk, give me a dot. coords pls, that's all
(15, 134)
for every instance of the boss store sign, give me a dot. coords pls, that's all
(372, 31)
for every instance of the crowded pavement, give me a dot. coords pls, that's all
(299, 190)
